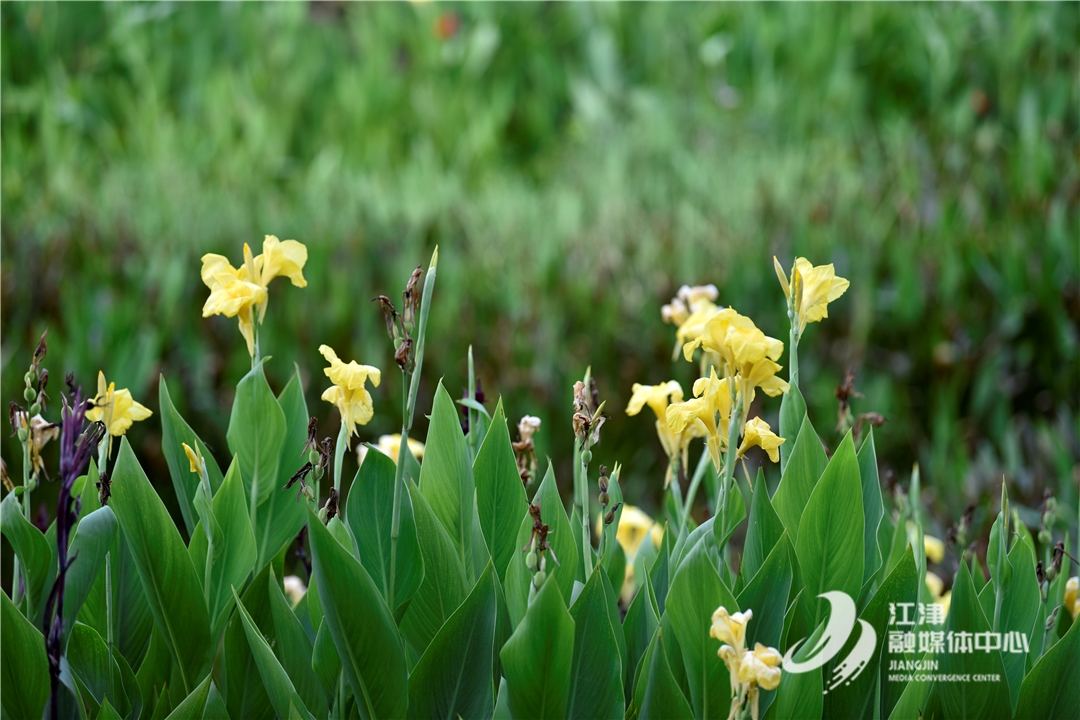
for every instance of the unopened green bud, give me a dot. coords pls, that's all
(35, 409)
(313, 457)
(322, 515)
(29, 378)
(1044, 536)
(586, 456)
(309, 493)
(530, 560)
(604, 499)
(319, 472)
(538, 579)
(30, 394)
(23, 434)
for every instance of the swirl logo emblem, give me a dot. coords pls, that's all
(837, 631)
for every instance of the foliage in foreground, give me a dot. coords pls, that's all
(440, 588)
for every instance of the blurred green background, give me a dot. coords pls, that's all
(575, 164)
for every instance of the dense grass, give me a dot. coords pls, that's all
(575, 164)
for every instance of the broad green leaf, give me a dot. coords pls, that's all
(611, 603)
(280, 516)
(767, 593)
(855, 699)
(804, 466)
(88, 657)
(443, 587)
(294, 651)
(660, 574)
(174, 433)
(33, 551)
(108, 712)
(276, 681)
(1051, 691)
(24, 667)
(369, 512)
(453, 678)
(662, 699)
(256, 433)
(234, 548)
(500, 496)
(172, 588)
(241, 683)
(596, 684)
(970, 700)
(736, 513)
(1019, 608)
(792, 414)
(94, 537)
(363, 629)
(130, 685)
(762, 531)
(537, 658)
(799, 695)
(872, 507)
(502, 704)
(194, 704)
(639, 626)
(703, 533)
(829, 546)
(696, 592)
(446, 478)
(325, 661)
(215, 705)
(154, 672)
(561, 539)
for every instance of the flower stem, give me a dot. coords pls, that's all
(729, 461)
(582, 488)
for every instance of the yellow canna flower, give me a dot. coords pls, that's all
(390, 445)
(710, 405)
(936, 585)
(635, 526)
(746, 353)
(757, 432)
(690, 310)
(935, 549)
(294, 588)
(731, 628)
(676, 444)
(629, 586)
(348, 393)
(811, 289)
(761, 666)
(194, 460)
(1071, 601)
(116, 408)
(236, 292)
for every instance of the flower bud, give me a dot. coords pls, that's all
(530, 560)
(23, 434)
(1045, 537)
(586, 456)
(29, 378)
(30, 394)
(604, 499)
(35, 409)
(538, 579)
(308, 493)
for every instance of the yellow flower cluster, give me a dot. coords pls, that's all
(690, 309)
(390, 445)
(676, 444)
(348, 393)
(237, 292)
(116, 408)
(748, 669)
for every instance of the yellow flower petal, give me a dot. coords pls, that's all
(819, 286)
(935, 549)
(115, 408)
(757, 432)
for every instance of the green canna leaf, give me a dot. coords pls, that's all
(767, 593)
(453, 678)
(325, 661)
(829, 545)
(596, 675)
(256, 434)
(94, 537)
(799, 478)
(446, 477)
(362, 627)
(696, 592)
(639, 627)
(443, 587)
(35, 555)
(241, 683)
(538, 657)
(24, 667)
(276, 681)
(872, 506)
(194, 704)
(662, 699)
(762, 531)
(500, 496)
(368, 512)
(792, 415)
(1051, 691)
(294, 651)
(234, 548)
(174, 433)
(168, 578)
(280, 516)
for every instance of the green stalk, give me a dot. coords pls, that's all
(729, 461)
(410, 388)
(109, 632)
(25, 502)
(793, 354)
(695, 483)
(582, 488)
